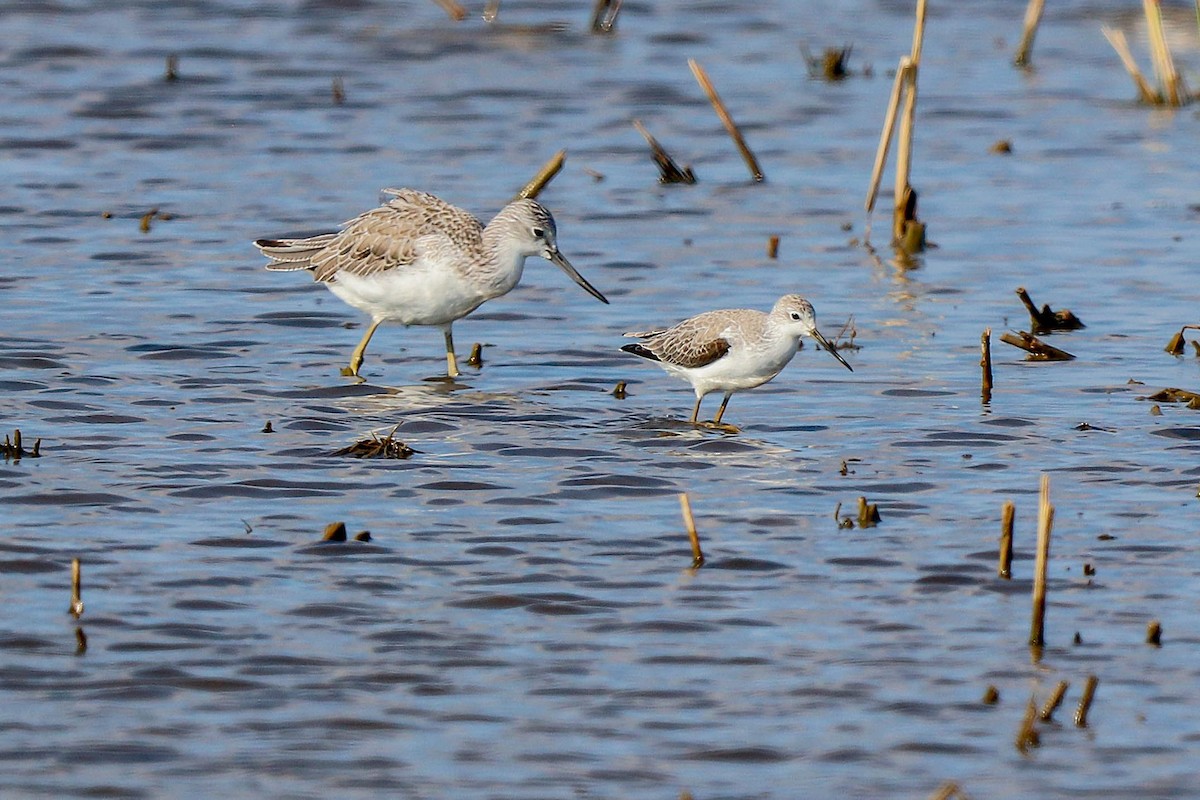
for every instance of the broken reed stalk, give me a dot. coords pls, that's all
(668, 170)
(885, 136)
(1085, 702)
(1154, 633)
(491, 11)
(1007, 513)
(76, 608)
(1033, 16)
(544, 176)
(1037, 349)
(903, 210)
(1172, 90)
(1045, 523)
(985, 362)
(1053, 702)
(604, 15)
(476, 357)
(456, 11)
(1027, 735)
(702, 78)
(773, 247)
(689, 522)
(1146, 92)
(947, 791)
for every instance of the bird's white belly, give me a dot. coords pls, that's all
(410, 297)
(740, 368)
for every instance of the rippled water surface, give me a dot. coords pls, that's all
(523, 622)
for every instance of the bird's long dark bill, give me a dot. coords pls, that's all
(832, 350)
(560, 261)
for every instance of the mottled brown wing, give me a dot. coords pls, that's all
(695, 342)
(396, 235)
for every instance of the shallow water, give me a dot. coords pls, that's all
(523, 623)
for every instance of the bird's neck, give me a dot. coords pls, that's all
(505, 260)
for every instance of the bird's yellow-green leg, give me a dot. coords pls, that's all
(696, 410)
(451, 361)
(721, 410)
(356, 358)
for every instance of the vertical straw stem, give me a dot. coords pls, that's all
(885, 136)
(1045, 523)
(985, 362)
(76, 608)
(1033, 16)
(918, 33)
(904, 146)
(1085, 702)
(1007, 513)
(702, 78)
(453, 9)
(1169, 80)
(689, 522)
(1053, 702)
(1145, 91)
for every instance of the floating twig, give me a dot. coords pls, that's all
(1007, 513)
(76, 607)
(727, 120)
(604, 15)
(456, 11)
(1037, 636)
(1175, 346)
(476, 357)
(668, 170)
(1053, 701)
(375, 447)
(1045, 320)
(1037, 349)
(1033, 16)
(689, 522)
(985, 363)
(1154, 633)
(544, 176)
(1085, 702)
(1173, 395)
(1027, 734)
(334, 532)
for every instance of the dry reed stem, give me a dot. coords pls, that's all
(904, 147)
(1085, 702)
(604, 15)
(1033, 16)
(918, 33)
(1007, 513)
(1053, 702)
(1045, 523)
(1174, 93)
(689, 522)
(456, 12)
(702, 78)
(1027, 735)
(668, 170)
(1145, 91)
(491, 11)
(985, 363)
(76, 608)
(773, 247)
(544, 176)
(947, 791)
(885, 136)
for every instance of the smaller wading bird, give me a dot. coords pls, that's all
(732, 349)
(418, 260)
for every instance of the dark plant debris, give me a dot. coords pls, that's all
(476, 357)
(376, 447)
(1173, 395)
(1154, 633)
(1037, 349)
(1175, 346)
(1001, 147)
(668, 170)
(604, 15)
(830, 65)
(13, 449)
(1045, 320)
(619, 390)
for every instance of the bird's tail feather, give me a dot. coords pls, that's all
(292, 254)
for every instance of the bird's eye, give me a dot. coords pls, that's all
(795, 315)
(538, 233)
